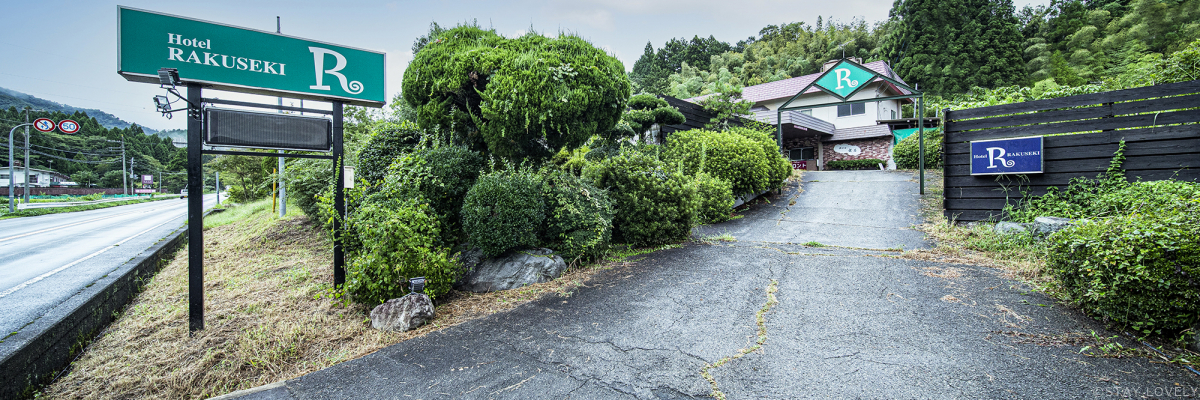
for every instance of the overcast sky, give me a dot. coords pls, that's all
(65, 51)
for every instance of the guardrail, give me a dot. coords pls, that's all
(26, 206)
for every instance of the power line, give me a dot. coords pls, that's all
(5, 146)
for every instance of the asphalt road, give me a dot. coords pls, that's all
(849, 323)
(46, 259)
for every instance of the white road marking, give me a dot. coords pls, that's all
(82, 222)
(59, 269)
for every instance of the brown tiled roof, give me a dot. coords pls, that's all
(788, 87)
(861, 132)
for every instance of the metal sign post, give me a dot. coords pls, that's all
(171, 51)
(843, 81)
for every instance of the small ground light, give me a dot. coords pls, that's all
(417, 285)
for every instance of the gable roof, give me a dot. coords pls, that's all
(789, 87)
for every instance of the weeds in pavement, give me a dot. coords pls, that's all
(813, 244)
(761, 320)
(724, 237)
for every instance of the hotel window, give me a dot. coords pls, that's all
(803, 153)
(3, 176)
(846, 110)
(807, 112)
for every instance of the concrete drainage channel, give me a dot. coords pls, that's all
(37, 353)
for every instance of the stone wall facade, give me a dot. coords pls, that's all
(879, 148)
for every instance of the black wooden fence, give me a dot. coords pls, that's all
(1157, 123)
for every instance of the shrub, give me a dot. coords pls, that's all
(1138, 271)
(779, 168)
(306, 179)
(654, 204)
(386, 144)
(726, 155)
(578, 216)
(504, 210)
(907, 152)
(716, 198)
(866, 163)
(441, 175)
(398, 240)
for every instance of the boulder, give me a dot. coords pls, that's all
(1047, 225)
(403, 314)
(510, 270)
(1008, 228)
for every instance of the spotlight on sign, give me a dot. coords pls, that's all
(168, 78)
(417, 285)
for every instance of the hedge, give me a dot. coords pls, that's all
(505, 210)
(866, 163)
(655, 204)
(907, 152)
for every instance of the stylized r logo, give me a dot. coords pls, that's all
(997, 153)
(352, 87)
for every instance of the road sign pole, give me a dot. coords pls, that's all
(26, 183)
(195, 214)
(339, 202)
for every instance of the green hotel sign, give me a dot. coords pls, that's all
(245, 60)
(844, 79)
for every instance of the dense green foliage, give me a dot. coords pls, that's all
(441, 174)
(951, 46)
(654, 202)
(385, 145)
(744, 157)
(1133, 258)
(949, 52)
(579, 216)
(515, 98)
(650, 72)
(865, 163)
(907, 153)
(306, 179)
(396, 240)
(505, 210)
(1135, 270)
(716, 198)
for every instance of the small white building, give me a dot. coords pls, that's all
(37, 177)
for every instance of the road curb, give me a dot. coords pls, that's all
(34, 354)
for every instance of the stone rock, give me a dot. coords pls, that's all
(403, 314)
(1047, 225)
(511, 270)
(1008, 228)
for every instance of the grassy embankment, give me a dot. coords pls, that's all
(268, 311)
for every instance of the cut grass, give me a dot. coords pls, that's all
(268, 315)
(1018, 255)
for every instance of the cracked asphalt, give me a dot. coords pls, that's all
(851, 322)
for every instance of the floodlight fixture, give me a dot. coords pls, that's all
(168, 78)
(416, 285)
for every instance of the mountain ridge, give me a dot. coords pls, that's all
(13, 98)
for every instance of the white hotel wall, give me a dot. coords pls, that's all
(874, 111)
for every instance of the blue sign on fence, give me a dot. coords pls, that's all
(1007, 156)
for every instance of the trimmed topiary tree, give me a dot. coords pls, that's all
(441, 175)
(505, 210)
(516, 98)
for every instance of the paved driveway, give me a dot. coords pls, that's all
(849, 323)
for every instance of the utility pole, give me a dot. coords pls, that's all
(132, 162)
(124, 177)
(26, 191)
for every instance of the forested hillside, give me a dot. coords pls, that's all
(951, 47)
(11, 98)
(93, 155)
